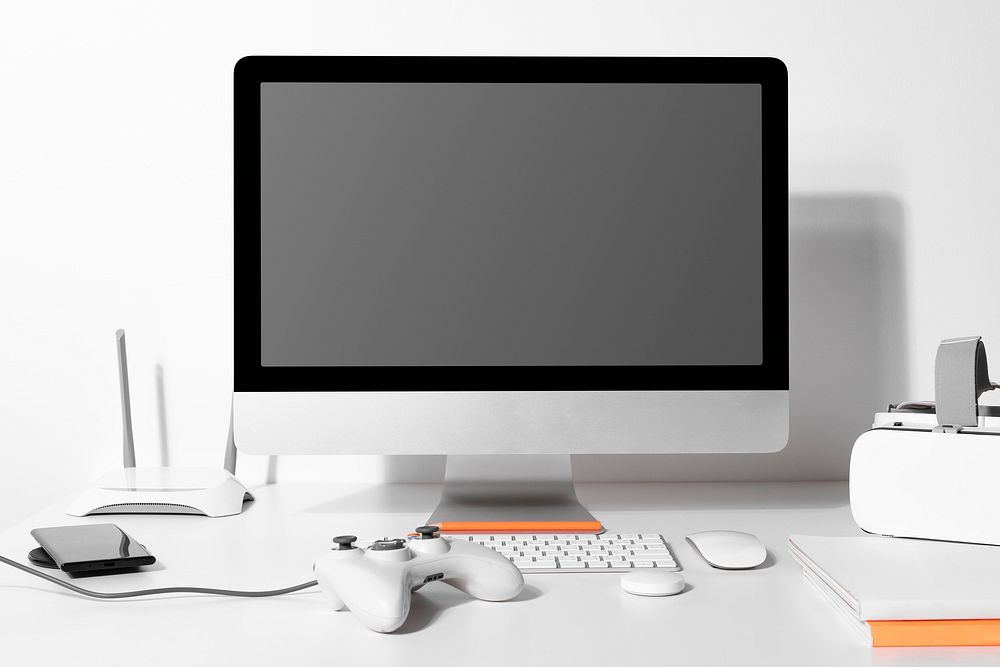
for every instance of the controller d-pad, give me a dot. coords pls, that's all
(385, 544)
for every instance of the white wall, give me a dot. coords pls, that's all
(115, 205)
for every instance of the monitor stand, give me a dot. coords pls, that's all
(511, 493)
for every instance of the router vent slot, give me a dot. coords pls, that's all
(145, 508)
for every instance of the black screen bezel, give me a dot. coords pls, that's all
(250, 72)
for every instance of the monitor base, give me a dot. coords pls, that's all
(513, 493)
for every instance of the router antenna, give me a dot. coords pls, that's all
(230, 461)
(128, 446)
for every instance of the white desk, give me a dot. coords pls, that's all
(761, 617)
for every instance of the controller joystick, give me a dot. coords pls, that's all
(427, 532)
(345, 542)
(377, 583)
(430, 541)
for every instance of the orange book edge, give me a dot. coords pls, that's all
(520, 526)
(937, 632)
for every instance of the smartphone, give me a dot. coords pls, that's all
(99, 546)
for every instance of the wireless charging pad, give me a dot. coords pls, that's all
(41, 558)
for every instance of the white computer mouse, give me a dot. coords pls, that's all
(729, 549)
(652, 583)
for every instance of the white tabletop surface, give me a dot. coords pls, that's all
(766, 616)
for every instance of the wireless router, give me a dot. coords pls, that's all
(164, 490)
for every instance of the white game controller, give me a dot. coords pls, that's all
(375, 583)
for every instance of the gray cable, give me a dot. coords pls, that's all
(156, 591)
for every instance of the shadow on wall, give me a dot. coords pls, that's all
(847, 346)
(847, 357)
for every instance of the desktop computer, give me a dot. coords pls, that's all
(510, 260)
(507, 261)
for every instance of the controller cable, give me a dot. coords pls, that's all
(157, 591)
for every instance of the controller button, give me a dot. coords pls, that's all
(345, 542)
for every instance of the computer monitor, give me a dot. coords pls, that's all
(519, 256)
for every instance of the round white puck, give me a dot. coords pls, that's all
(652, 583)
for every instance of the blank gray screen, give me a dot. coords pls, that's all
(440, 224)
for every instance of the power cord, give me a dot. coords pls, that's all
(157, 591)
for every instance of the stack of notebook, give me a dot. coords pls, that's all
(903, 592)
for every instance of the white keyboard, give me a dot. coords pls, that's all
(610, 552)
